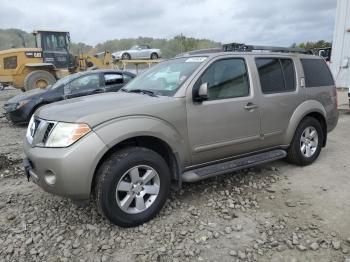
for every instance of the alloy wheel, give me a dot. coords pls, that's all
(309, 141)
(137, 189)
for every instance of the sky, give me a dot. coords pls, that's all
(268, 22)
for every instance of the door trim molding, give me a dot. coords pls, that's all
(220, 144)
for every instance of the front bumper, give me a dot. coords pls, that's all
(14, 115)
(71, 168)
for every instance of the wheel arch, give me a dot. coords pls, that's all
(154, 52)
(151, 142)
(310, 108)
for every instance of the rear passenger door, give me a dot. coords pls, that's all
(228, 122)
(280, 96)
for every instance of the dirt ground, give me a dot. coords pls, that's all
(277, 212)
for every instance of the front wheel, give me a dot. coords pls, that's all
(132, 186)
(126, 56)
(307, 142)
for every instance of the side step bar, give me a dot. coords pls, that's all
(232, 165)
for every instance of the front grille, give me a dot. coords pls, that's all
(36, 125)
(39, 131)
(47, 132)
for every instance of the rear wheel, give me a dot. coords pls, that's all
(131, 186)
(38, 79)
(154, 56)
(307, 142)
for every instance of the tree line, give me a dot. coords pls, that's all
(14, 38)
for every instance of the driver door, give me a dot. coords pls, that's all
(84, 85)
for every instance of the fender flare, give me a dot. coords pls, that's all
(50, 65)
(150, 126)
(305, 108)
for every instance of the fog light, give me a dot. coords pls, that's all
(50, 177)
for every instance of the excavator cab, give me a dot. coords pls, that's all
(55, 48)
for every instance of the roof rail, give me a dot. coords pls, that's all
(238, 47)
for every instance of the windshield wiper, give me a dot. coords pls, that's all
(142, 91)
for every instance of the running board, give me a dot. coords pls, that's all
(232, 165)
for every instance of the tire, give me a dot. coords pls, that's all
(38, 79)
(154, 56)
(116, 171)
(302, 156)
(126, 56)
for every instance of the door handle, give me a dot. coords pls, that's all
(250, 106)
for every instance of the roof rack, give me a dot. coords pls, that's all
(238, 47)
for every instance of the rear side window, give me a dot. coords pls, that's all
(276, 75)
(316, 73)
(289, 74)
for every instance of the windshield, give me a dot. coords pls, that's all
(135, 47)
(63, 81)
(165, 78)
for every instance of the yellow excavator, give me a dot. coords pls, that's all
(29, 68)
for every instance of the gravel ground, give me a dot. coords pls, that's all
(276, 212)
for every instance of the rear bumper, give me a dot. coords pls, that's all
(332, 120)
(66, 171)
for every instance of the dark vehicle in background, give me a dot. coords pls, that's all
(19, 109)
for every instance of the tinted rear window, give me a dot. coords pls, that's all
(316, 73)
(276, 75)
(289, 74)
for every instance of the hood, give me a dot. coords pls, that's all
(26, 95)
(96, 109)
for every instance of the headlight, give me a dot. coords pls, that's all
(22, 103)
(65, 134)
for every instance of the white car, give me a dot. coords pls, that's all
(138, 52)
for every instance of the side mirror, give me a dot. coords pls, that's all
(201, 93)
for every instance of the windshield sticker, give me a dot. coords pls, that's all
(195, 59)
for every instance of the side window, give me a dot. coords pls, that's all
(316, 73)
(84, 83)
(276, 75)
(113, 79)
(226, 78)
(289, 74)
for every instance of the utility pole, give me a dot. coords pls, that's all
(181, 44)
